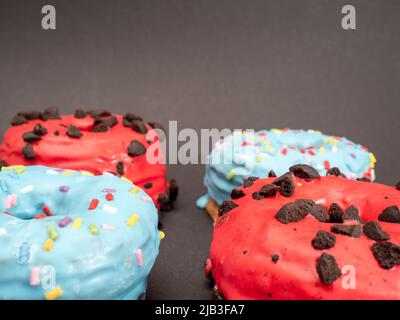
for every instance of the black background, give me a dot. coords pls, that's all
(209, 64)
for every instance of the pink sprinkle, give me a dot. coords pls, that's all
(109, 227)
(64, 222)
(11, 201)
(64, 189)
(145, 198)
(34, 279)
(109, 190)
(139, 257)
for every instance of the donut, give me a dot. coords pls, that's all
(95, 141)
(68, 234)
(270, 153)
(303, 236)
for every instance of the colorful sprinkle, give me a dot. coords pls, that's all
(34, 278)
(24, 253)
(53, 234)
(86, 173)
(48, 245)
(3, 232)
(47, 210)
(162, 235)
(10, 201)
(64, 189)
(146, 198)
(27, 189)
(135, 190)
(77, 223)
(132, 220)
(68, 172)
(139, 257)
(231, 174)
(53, 294)
(109, 197)
(52, 172)
(40, 216)
(110, 209)
(327, 165)
(93, 229)
(20, 170)
(109, 190)
(65, 222)
(93, 204)
(109, 227)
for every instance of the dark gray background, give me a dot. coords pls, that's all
(210, 63)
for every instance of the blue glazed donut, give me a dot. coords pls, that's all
(70, 235)
(244, 154)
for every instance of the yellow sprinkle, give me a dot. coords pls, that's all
(132, 220)
(86, 173)
(93, 229)
(245, 133)
(12, 167)
(135, 190)
(277, 131)
(259, 158)
(231, 174)
(20, 170)
(126, 179)
(162, 235)
(53, 234)
(266, 141)
(321, 149)
(48, 245)
(77, 223)
(372, 159)
(269, 148)
(67, 172)
(53, 294)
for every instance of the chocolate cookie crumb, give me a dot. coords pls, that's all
(320, 213)
(147, 185)
(352, 213)
(79, 114)
(353, 231)
(30, 115)
(336, 213)
(257, 196)
(293, 211)
(30, 136)
(374, 231)
(334, 172)
(28, 152)
(286, 184)
(18, 120)
(120, 168)
(390, 214)
(135, 149)
(74, 132)
(50, 113)
(386, 253)
(275, 258)
(237, 193)
(328, 269)
(248, 182)
(139, 126)
(304, 171)
(323, 240)
(156, 125)
(39, 129)
(225, 207)
(271, 174)
(269, 190)
(57, 133)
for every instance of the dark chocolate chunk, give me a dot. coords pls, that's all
(237, 193)
(328, 269)
(286, 184)
(269, 190)
(334, 172)
(363, 179)
(374, 231)
(173, 190)
(323, 240)
(110, 122)
(257, 196)
(353, 231)
(3, 164)
(386, 253)
(28, 152)
(139, 126)
(57, 133)
(248, 182)
(100, 127)
(156, 125)
(120, 168)
(74, 132)
(50, 113)
(99, 113)
(275, 258)
(30, 137)
(293, 211)
(304, 171)
(320, 213)
(39, 130)
(336, 213)
(135, 148)
(352, 213)
(130, 117)
(271, 174)
(79, 114)
(390, 214)
(225, 207)
(147, 185)
(398, 186)
(18, 120)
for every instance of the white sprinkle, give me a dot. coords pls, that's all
(108, 174)
(27, 189)
(51, 172)
(146, 199)
(110, 209)
(3, 232)
(109, 227)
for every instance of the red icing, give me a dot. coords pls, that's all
(246, 237)
(95, 152)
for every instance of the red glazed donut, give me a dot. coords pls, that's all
(95, 141)
(307, 238)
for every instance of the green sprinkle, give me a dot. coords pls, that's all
(53, 234)
(231, 174)
(93, 229)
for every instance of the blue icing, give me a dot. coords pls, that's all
(254, 154)
(85, 265)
